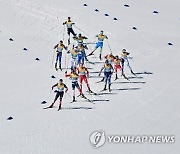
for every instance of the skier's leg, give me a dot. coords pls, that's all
(81, 80)
(97, 46)
(86, 81)
(72, 31)
(82, 59)
(73, 90)
(57, 56)
(56, 97)
(101, 46)
(60, 57)
(109, 82)
(68, 31)
(105, 77)
(79, 89)
(60, 100)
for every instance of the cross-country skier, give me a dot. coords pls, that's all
(108, 71)
(69, 24)
(74, 79)
(110, 58)
(60, 46)
(124, 55)
(80, 38)
(81, 53)
(118, 65)
(59, 92)
(101, 38)
(83, 75)
(74, 58)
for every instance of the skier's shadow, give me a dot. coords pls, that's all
(129, 82)
(124, 89)
(148, 73)
(92, 76)
(77, 108)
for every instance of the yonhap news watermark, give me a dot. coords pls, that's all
(99, 138)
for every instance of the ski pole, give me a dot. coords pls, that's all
(80, 30)
(69, 95)
(63, 32)
(53, 59)
(109, 46)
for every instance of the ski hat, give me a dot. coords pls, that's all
(61, 41)
(79, 34)
(117, 56)
(61, 80)
(69, 17)
(101, 32)
(123, 49)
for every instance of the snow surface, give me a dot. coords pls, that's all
(148, 105)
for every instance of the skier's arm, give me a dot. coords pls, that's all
(67, 75)
(87, 72)
(106, 37)
(112, 69)
(84, 37)
(66, 88)
(64, 22)
(55, 46)
(54, 86)
(65, 47)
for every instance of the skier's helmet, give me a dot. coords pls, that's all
(79, 34)
(61, 80)
(61, 41)
(101, 32)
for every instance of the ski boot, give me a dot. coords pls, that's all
(82, 95)
(73, 99)
(116, 77)
(100, 57)
(109, 87)
(86, 58)
(60, 67)
(133, 73)
(56, 66)
(105, 88)
(59, 107)
(51, 106)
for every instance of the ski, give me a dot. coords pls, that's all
(100, 81)
(49, 107)
(73, 101)
(92, 93)
(82, 96)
